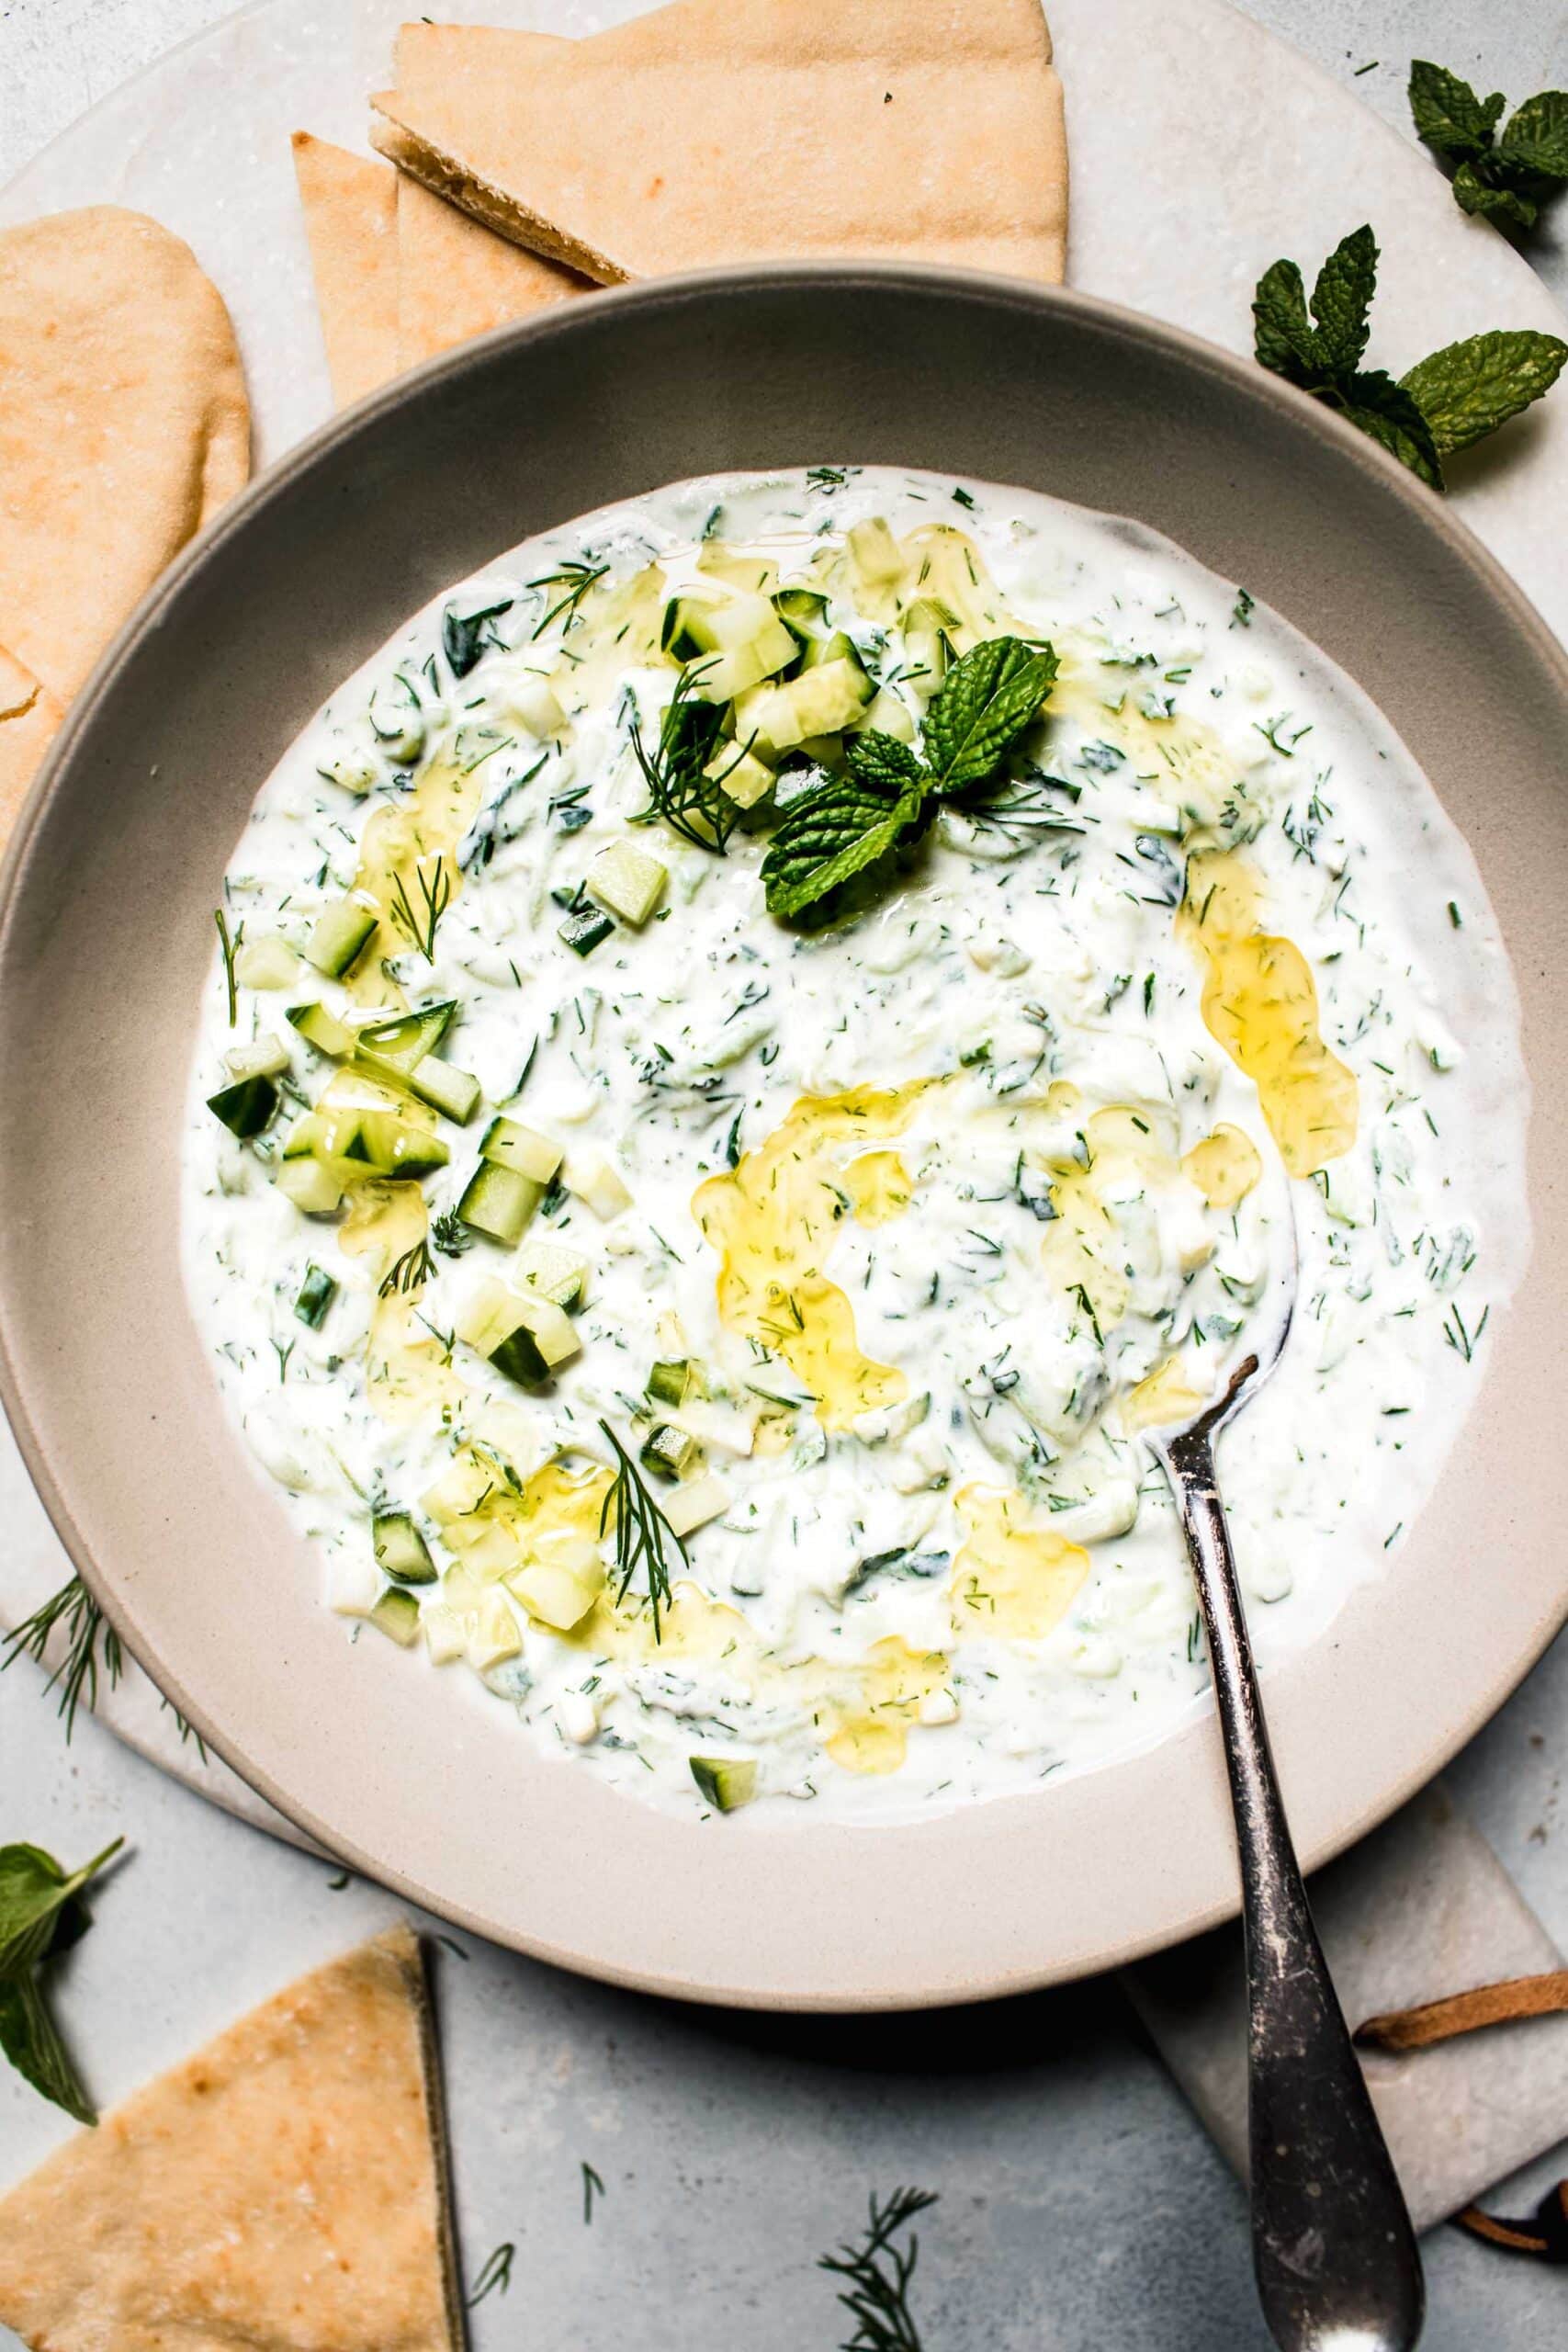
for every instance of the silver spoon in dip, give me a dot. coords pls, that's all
(1333, 2248)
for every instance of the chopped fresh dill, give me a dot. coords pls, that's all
(680, 792)
(450, 1234)
(230, 949)
(592, 2186)
(497, 2272)
(436, 889)
(412, 1271)
(642, 1532)
(73, 1611)
(576, 580)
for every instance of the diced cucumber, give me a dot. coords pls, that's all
(351, 771)
(744, 777)
(511, 1145)
(694, 1504)
(586, 931)
(720, 677)
(525, 1336)
(401, 1551)
(803, 611)
(874, 553)
(396, 717)
(321, 1029)
(627, 881)
(824, 650)
(394, 1147)
(668, 1451)
(727, 1781)
(341, 934)
(268, 962)
(317, 1293)
(402, 1042)
(493, 1635)
(314, 1190)
(678, 631)
(246, 1107)
(268, 1057)
(755, 575)
(396, 1614)
(669, 1382)
(454, 1092)
(518, 1358)
(597, 1184)
(819, 702)
(499, 1203)
(555, 1274)
(485, 1317)
(554, 1333)
(558, 1597)
(534, 701)
(890, 714)
(446, 1635)
(926, 642)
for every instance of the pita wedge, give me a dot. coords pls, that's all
(29, 717)
(743, 130)
(350, 203)
(123, 426)
(457, 278)
(283, 2190)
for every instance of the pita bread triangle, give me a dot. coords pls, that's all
(350, 203)
(457, 279)
(30, 720)
(742, 129)
(282, 2190)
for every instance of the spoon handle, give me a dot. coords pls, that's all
(1332, 2244)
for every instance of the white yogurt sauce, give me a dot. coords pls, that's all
(929, 1558)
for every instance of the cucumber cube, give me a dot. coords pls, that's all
(671, 1380)
(246, 1107)
(317, 1293)
(313, 1189)
(876, 553)
(743, 777)
(693, 1504)
(498, 1203)
(454, 1092)
(494, 1636)
(266, 1058)
(402, 1042)
(321, 1029)
(668, 1451)
(596, 1184)
(558, 1596)
(586, 931)
(396, 1614)
(556, 1274)
(627, 881)
(401, 1551)
(727, 1781)
(518, 1358)
(341, 934)
(508, 1144)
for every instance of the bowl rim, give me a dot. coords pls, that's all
(1242, 376)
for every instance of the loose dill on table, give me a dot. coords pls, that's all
(879, 2276)
(642, 1532)
(74, 1612)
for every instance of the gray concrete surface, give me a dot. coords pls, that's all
(1081, 2207)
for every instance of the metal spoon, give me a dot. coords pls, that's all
(1333, 2249)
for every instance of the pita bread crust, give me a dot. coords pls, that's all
(457, 279)
(30, 720)
(350, 204)
(281, 2191)
(123, 426)
(915, 129)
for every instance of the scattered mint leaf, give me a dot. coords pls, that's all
(1536, 139)
(1388, 413)
(1454, 397)
(881, 761)
(1474, 196)
(1468, 389)
(1498, 176)
(41, 1915)
(465, 636)
(981, 707)
(829, 836)
(1447, 114)
(1341, 300)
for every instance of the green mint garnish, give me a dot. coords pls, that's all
(1501, 175)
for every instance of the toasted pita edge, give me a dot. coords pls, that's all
(444, 175)
(30, 717)
(457, 280)
(349, 202)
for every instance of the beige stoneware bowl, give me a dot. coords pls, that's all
(105, 931)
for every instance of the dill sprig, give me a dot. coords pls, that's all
(879, 2274)
(497, 2271)
(642, 1532)
(450, 1234)
(680, 791)
(410, 1272)
(73, 1611)
(436, 889)
(230, 949)
(577, 579)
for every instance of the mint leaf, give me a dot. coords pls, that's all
(1536, 136)
(41, 1914)
(1468, 389)
(1388, 413)
(1480, 200)
(831, 836)
(1447, 114)
(30, 2041)
(1341, 300)
(981, 707)
(881, 761)
(1282, 334)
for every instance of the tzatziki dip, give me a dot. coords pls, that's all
(757, 1050)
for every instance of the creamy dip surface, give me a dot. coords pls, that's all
(760, 1408)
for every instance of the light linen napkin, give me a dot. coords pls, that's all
(1420, 1909)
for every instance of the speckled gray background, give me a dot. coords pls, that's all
(1082, 2209)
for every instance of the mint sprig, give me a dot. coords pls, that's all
(41, 1915)
(1452, 398)
(1501, 175)
(851, 823)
